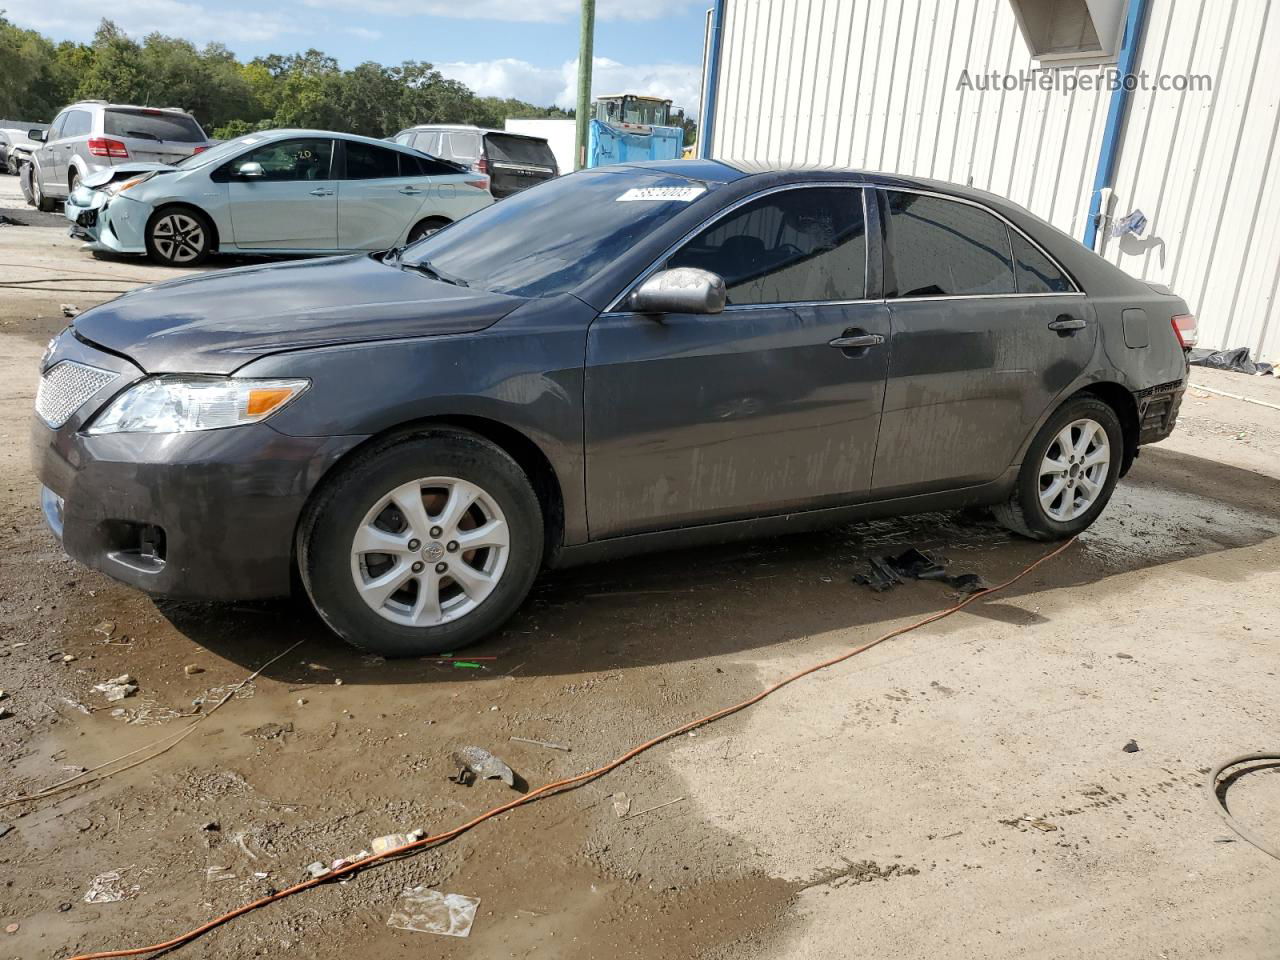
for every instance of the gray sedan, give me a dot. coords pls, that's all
(621, 360)
(279, 191)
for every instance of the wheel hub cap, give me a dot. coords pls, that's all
(1074, 470)
(460, 545)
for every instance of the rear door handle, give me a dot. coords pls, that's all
(857, 341)
(1067, 323)
(322, 192)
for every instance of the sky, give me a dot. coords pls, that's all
(507, 48)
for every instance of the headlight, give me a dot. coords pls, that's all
(120, 186)
(182, 404)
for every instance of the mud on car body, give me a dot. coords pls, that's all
(625, 359)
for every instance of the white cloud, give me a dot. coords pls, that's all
(526, 11)
(194, 21)
(559, 85)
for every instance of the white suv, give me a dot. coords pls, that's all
(92, 135)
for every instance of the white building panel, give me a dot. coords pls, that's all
(875, 84)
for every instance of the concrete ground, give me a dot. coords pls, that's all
(958, 791)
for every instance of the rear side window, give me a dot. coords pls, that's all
(152, 125)
(412, 165)
(1036, 272)
(463, 146)
(367, 162)
(942, 248)
(795, 246)
(519, 150)
(79, 123)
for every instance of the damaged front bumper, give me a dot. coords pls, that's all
(107, 223)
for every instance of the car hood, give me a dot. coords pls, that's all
(217, 322)
(100, 178)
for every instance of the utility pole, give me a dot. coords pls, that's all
(585, 45)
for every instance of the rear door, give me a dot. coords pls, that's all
(987, 334)
(294, 205)
(757, 410)
(378, 196)
(517, 163)
(155, 136)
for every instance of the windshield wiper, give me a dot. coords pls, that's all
(426, 268)
(141, 135)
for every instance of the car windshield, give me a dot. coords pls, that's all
(548, 239)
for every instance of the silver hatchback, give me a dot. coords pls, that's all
(94, 135)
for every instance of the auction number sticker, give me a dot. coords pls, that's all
(676, 194)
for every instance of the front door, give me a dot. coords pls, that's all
(699, 418)
(987, 333)
(294, 204)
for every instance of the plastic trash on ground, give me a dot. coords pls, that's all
(429, 911)
(475, 763)
(110, 887)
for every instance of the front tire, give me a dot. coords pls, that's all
(423, 544)
(38, 199)
(1068, 473)
(179, 237)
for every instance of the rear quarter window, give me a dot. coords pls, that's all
(1035, 272)
(519, 150)
(152, 125)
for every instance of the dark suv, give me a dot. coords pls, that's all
(512, 161)
(628, 359)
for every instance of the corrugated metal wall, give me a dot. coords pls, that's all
(876, 84)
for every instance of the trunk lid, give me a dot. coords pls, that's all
(517, 163)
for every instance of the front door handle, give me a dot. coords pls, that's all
(321, 192)
(1067, 323)
(410, 191)
(857, 341)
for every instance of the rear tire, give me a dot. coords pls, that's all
(1068, 473)
(425, 228)
(427, 593)
(179, 237)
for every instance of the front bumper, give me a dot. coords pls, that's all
(208, 515)
(109, 224)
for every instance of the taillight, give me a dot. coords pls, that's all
(199, 150)
(1186, 329)
(481, 165)
(106, 147)
(478, 184)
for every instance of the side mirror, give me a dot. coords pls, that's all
(37, 136)
(680, 290)
(250, 169)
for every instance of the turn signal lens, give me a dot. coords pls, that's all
(263, 400)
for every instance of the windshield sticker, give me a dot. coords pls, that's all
(676, 194)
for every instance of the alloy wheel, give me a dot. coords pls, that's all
(178, 237)
(1074, 470)
(430, 551)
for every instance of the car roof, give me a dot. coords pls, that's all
(108, 105)
(306, 132)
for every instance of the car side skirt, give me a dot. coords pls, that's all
(755, 528)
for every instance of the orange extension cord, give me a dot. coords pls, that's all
(568, 782)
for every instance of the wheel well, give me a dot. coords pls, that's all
(527, 454)
(1121, 401)
(213, 227)
(442, 221)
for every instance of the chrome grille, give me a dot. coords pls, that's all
(65, 387)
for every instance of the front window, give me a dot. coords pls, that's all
(548, 239)
(302, 159)
(801, 245)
